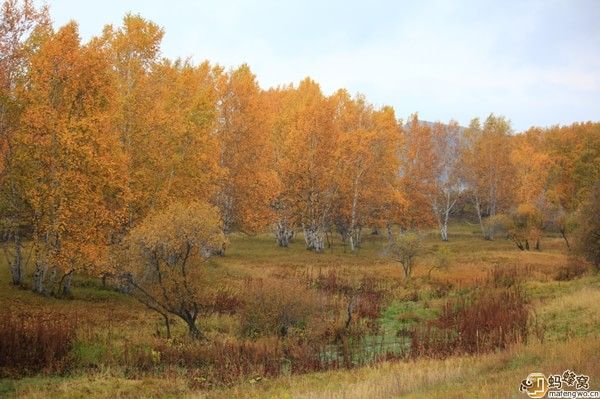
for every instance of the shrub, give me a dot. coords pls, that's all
(163, 257)
(363, 298)
(35, 342)
(442, 259)
(370, 299)
(573, 269)
(331, 282)
(504, 277)
(440, 288)
(493, 319)
(404, 249)
(224, 362)
(588, 232)
(273, 307)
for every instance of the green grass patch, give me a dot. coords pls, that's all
(404, 315)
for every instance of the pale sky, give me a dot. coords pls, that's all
(536, 62)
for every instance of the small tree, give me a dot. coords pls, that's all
(404, 249)
(442, 259)
(165, 253)
(588, 233)
(525, 227)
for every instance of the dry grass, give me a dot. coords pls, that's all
(489, 376)
(35, 342)
(112, 325)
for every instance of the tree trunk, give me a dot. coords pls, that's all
(444, 227)
(51, 280)
(167, 325)
(283, 234)
(194, 331)
(407, 270)
(314, 238)
(478, 209)
(65, 285)
(354, 234)
(390, 232)
(563, 233)
(16, 267)
(355, 238)
(444, 232)
(489, 233)
(39, 277)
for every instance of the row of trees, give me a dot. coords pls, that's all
(99, 138)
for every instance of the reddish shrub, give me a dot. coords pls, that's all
(226, 362)
(34, 342)
(505, 276)
(276, 307)
(225, 301)
(495, 318)
(573, 269)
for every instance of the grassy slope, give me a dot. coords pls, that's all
(569, 312)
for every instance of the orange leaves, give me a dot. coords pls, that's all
(337, 162)
(166, 118)
(248, 185)
(304, 164)
(419, 173)
(69, 161)
(19, 22)
(532, 167)
(575, 154)
(181, 155)
(368, 163)
(109, 132)
(181, 227)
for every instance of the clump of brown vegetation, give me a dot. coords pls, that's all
(364, 297)
(574, 268)
(224, 362)
(494, 317)
(505, 276)
(276, 307)
(34, 342)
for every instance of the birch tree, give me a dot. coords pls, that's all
(487, 170)
(368, 162)
(164, 256)
(68, 159)
(248, 186)
(449, 186)
(418, 174)
(21, 26)
(278, 105)
(307, 164)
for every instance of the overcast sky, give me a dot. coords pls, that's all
(536, 62)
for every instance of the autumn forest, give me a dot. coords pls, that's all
(178, 216)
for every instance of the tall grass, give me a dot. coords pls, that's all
(494, 319)
(34, 342)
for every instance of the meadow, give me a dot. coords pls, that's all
(119, 348)
(172, 227)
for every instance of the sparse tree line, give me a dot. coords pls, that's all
(106, 144)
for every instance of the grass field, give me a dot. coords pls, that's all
(566, 315)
